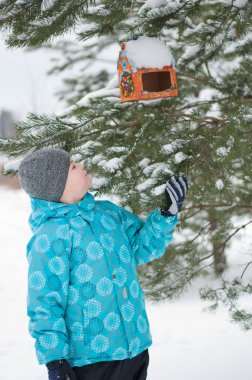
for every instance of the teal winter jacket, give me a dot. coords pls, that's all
(84, 300)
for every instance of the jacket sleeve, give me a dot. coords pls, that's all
(148, 239)
(47, 291)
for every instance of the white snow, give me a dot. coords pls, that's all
(171, 147)
(111, 94)
(155, 169)
(20, 2)
(144, 162)
(170, 9)
(236, 3)
(248, 118)
(168, 148)
(25, 87)
(237, 181)
(240, 3)
(219, 184)
(97, 158)
(98, 182)
(158, 190)
(207, 344)
(47, 4)
(179, 157)
(12, 164)
(222, 151)
(239, 43)
(191, 51)
(144, 185)
(153, 4)
(148, 52)
(112, 165)
(89, 146)
(151, 103)
(113, 83)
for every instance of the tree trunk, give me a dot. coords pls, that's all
(220, 263)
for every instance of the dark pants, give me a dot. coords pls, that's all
(126, 369)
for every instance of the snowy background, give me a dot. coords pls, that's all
(188, 342)
(24, 84)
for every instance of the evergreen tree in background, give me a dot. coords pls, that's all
(133, 148)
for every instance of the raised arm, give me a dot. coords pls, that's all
(148, 239)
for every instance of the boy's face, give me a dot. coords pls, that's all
(77, 184)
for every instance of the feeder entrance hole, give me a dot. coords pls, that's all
(156, 81)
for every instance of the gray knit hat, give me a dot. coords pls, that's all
(43, 173)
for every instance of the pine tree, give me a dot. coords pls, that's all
(133, 148)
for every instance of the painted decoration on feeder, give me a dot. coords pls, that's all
(126, 83)
(146, 70)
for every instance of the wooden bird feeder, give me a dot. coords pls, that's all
(146, 70)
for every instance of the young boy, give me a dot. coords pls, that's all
(85, 304)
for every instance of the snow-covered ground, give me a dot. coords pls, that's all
(188, 343)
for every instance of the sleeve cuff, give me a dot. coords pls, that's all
(161, 218)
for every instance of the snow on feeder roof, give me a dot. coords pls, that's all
(148, 52)
(146, 70)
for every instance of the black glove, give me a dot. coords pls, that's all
(60, 370)
(175, 192)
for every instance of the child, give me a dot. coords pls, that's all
(85, 304)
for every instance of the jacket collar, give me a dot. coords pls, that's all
(43, 209)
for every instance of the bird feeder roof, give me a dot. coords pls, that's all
(148, 52)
